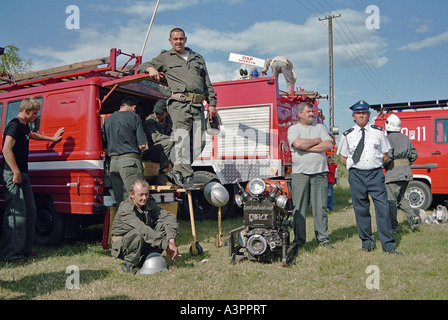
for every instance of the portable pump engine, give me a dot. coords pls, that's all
(265, 233)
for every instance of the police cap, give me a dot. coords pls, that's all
(360, 106)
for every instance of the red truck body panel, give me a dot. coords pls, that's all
(426, 124)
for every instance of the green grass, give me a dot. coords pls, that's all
(319, 273)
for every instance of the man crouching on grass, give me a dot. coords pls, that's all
(141, 227)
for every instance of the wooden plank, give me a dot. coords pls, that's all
(70, 68)
(173, 188)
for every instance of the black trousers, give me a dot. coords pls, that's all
(362, 184)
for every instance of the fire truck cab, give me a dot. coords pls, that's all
(426, 124)
(68, 177)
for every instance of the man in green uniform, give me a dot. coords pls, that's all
(141, 227)
(399, 173)
(189, 83)
(158, 128)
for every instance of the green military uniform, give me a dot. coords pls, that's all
(159, 139)
(398, 175)
(136, 232)
(189, 84)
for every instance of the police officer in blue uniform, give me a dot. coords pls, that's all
(363, 150)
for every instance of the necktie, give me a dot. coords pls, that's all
(359, 147)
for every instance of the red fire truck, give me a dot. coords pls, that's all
(426, 124)
(68, 177)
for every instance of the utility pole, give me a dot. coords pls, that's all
(330, 65)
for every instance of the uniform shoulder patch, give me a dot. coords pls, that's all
(376, 127)
(348, 131)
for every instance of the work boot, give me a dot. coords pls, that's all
(395, 252)
(127, 267)
(291, 253)
(415, 222)
(175, 178)
(327, 244)
(188, 184)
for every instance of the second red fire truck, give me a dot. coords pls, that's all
(426, 124)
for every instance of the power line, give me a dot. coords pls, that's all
(365, 58)
(358, 54)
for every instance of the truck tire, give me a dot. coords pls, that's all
(50, 225)
(203, 210)
(419, 195)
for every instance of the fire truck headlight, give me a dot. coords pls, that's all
(256, 186)
(99, 198)
(99, 190)
(281, 201)
(99, 181)
(238, 200)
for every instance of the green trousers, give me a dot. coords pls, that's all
(123, 172)
(396, 198)
(188, 130)
(310, 190)
(19, 222)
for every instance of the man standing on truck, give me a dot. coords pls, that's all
(363, 150)
(158, 128)
(282, 65)
(308, 144)
(399, 173)
(141, 227)
(188, 80)
(20, 210)
(124, 140)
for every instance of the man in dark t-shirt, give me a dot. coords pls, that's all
(20, 209)
(123, 140)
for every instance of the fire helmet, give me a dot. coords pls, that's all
(213, 126)
(216, 194)
(154, 263)
(393, 124)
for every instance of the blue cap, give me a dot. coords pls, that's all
(360, 106)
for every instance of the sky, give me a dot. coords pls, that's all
(384, 51)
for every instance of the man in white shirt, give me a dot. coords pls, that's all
(363, 150)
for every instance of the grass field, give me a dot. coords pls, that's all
(319, 273)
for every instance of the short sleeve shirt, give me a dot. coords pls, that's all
(123, 133)
(375, 145)
(303, 161)
(21, 134)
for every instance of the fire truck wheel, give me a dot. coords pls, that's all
(203, 210)
(50, 225)
(419, 195)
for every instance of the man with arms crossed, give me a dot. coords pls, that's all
(308, 143)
